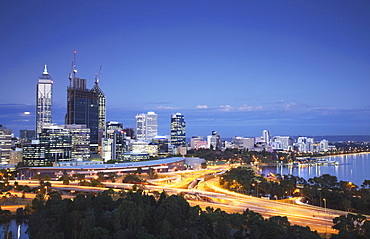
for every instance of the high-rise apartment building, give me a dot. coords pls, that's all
(282, 142)
(44, 100)
(178, 130)
(146, 126)
(5, 144)
(305, 144)
(86, 107)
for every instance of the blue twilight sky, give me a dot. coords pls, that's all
(237, 67)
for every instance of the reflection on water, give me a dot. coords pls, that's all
(352, 167)
(18, 229)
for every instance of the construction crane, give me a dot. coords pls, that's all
(97, 76)
(72, 76)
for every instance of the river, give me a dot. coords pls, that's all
(18, 229)
(352, 167)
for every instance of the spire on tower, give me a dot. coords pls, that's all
(45, 71)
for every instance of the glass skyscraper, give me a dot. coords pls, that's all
(86, 107)
(146, 126)
(178, 130)
(44, 100)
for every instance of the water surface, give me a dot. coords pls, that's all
(352, 167)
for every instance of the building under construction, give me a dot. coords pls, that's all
(86, 106)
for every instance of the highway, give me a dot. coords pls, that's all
(209, 194)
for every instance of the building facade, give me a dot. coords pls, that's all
(86, 107)
(34, 154)
(80, 141)
(178, 130)
(146, 126)
(266, 136)
(214, 141)
(57, 142)
(44, 100)
(5, 144)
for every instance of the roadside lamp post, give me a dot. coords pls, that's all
(326, 229)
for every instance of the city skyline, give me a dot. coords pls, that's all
(293, 68)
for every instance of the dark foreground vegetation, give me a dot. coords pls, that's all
(325, 190)
(137, 215)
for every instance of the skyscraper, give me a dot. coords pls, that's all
(85, 106)
(214, 141)
(146, 126)
(178, 132)
(5, 144)
(44, 100)
(101, 105)
(266, 136)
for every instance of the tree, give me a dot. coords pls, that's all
(151, 173)
(80, 177)
(131, 178)
(139, 170)
(66, 178)
(112, 177)
(47, 177)
(351, 226)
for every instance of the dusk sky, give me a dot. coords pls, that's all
(236, 67)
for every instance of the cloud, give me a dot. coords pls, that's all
(158, 102)
(201, 107)
(249, 108)
(167, 107)
(228, 108)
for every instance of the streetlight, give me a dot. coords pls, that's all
(253, 184)
(326, 229)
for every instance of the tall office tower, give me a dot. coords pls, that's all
(214, 141)
(84, 106)
(80, 141)
(266, 136)
(178, 132)
(101, 106)
(5, 144)
(141, 127)
(44, 100)
(146, 126)
(151, 125)
(57, 142)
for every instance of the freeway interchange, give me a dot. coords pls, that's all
(206, 192)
